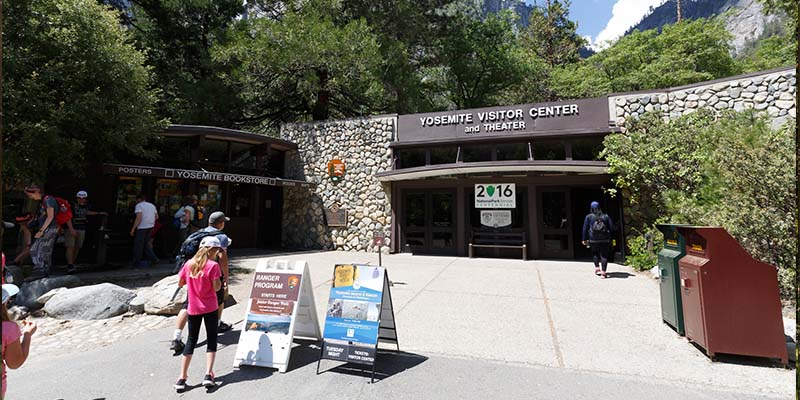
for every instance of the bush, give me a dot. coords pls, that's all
(643, 250)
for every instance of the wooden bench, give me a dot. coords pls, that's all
(503, 240)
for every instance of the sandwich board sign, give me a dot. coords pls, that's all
(280, 307)
(359, 314)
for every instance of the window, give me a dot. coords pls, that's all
(168, 196)
(175, 151)
(512, 151)
(128, 188)
(477, 153)
(214, 152)
(275, 162)
(443, 155)
(210, 197)
(587, 149)
(410, 158)
(243, 158)
(548, 151)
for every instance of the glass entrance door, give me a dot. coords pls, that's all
(429, 221)
(555, 236)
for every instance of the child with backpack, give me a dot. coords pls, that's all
(201, 274)
(596, 233)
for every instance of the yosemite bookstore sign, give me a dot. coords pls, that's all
(585, 115)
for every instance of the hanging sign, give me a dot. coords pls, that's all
(495, 195)
(496, 218)
(280, 307)
(359, 315)
(336, 169)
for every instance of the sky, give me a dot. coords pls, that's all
(600, 21)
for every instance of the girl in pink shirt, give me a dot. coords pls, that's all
(201, 276)
(16, 342)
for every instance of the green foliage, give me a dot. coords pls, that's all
(303, 67)
(481, 60)
(177, 37)
(733, 170)
(643, 249)
(552, 36)
(776, 47)
(682, 53)
(75, 89)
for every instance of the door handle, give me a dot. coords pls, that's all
(685, 283)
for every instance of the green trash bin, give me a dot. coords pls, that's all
(670, 287)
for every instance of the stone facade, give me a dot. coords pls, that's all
(771, 92)
(363, 145)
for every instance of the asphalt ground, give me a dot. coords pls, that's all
(468, 329)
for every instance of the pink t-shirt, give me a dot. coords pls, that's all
(202, 297)
(11, 333)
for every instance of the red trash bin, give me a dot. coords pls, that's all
(731, 302)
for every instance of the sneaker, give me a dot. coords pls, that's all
(180, 385)
(224, 327)
(603, 275)
(177, 346)
(71, 269)
(597, 271)
(208, 381)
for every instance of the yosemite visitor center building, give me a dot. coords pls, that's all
(429, 183)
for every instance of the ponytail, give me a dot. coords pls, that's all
(199, 261)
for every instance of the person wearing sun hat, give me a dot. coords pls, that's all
(76, 233)
(201, 275)
(16, 341)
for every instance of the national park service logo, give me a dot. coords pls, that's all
(336, 170)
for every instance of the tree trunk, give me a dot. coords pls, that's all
(321, 109)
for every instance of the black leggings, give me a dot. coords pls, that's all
(600, 253)
(211, 321)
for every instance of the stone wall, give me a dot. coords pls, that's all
(363, 145)
(770, 92)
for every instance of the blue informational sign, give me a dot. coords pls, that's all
(354, 307)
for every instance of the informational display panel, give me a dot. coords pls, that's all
(496, 218)
(495, 195)
(359, 313)
(280, 307)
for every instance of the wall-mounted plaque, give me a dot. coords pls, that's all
(335, 215)
(336, 169)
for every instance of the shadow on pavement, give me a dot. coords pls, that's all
(387, 364)
(619, 275)
(744, 360)
(243, 374)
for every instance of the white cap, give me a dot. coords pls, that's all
(9, 291)
(210, 241)
(82, 194)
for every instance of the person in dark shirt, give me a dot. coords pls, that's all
(76, 233)
(596, 233)
(42, 248)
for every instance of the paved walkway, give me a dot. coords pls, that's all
(469, 328)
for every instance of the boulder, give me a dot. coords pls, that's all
(164, 300)
(18, 313)
(31, 291)
(101, 301)
(142, 297)
(43, 299)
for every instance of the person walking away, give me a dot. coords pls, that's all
(596, 233)
(42, 248)
(77, 229)
(216, 222)
(16, 341)
(201, 275)
(146, 215)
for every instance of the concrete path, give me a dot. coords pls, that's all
(468, 328)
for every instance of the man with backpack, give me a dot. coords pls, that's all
(183, 219)
(596, 233)
(77, 229)
(216, 224)
(52, 213)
